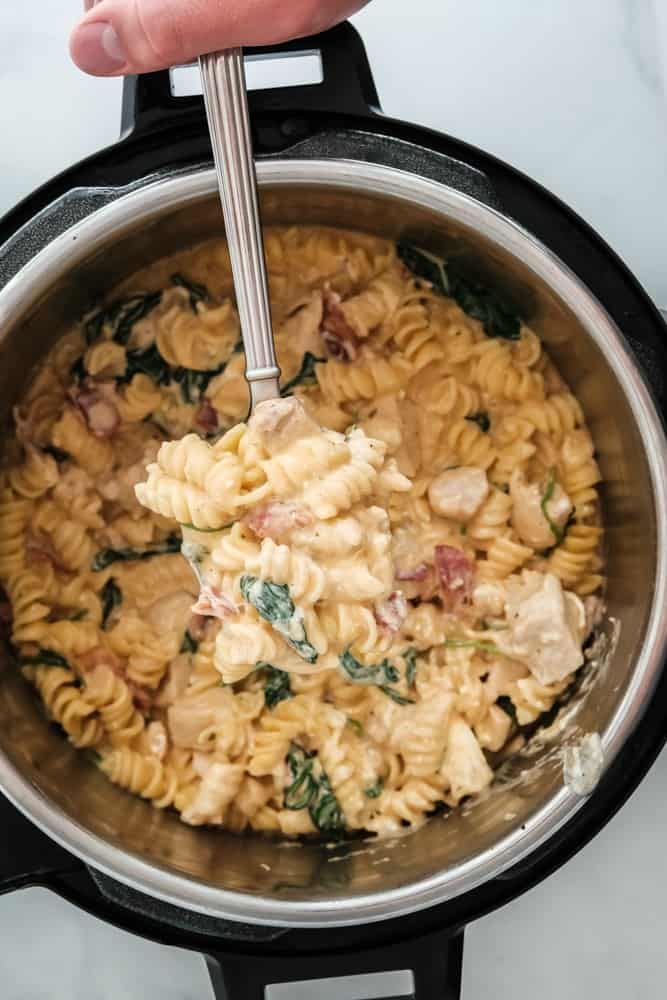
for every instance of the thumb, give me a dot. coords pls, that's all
(137, 36)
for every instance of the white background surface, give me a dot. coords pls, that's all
(573, 92)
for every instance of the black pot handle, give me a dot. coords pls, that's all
(424, 968)
(347, 86)
(27, 856)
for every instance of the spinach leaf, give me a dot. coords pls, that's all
(77, 616)
(558, 533)
(410, 657)
(375, 791)
(483, 647)
(46, 658)
(507, 705)
(305, 375)
(274, 604)
(112, 597)
(207, 531)
(355, 725)
(149, 362)
(78, 370)
(277, 684)
(198, 293)
(194, 383)
(376, 673)
(313, 791)
(395, 695)
(105, 557)
(481, 419)
(484, 305)
(57, 453)
(474, 298)
(189, 644)
(424, 265)
(325, 811)
(381, 674)
(299, 794)
(120, 317)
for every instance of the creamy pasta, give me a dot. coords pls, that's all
(395, 567)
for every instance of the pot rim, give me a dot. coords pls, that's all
(140, 205)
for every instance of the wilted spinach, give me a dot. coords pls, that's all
(355, 725)
(478, 301)
(112, 598)
(121, 316)
(311, 789)
(507, 705)
(277, 684)
(395, 695)
(556, 531)
(375, 673)
(478, 644)
(410, 657)
(198, 293)
(305, 375)
(375, 791)
(381, 674)
(194, 383)
(105, 557)
(46, 658)
(481, 419)
(57, 453)
(189, 643)
(148, 362)
(274, 604)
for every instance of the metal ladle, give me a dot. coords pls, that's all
(226, 101)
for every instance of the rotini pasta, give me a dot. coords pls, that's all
(385, 567)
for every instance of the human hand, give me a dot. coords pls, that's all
(116, 37)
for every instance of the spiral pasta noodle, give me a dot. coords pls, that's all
(385, 571)
(64, 703)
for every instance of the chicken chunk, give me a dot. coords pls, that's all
(458, 493)
(546, 627)
(528, 512)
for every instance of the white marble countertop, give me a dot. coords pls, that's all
(573, 92)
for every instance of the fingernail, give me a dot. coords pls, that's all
(98, 48)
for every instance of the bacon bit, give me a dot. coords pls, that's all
(206, 417)
(213, 603)
(276, 518)
(339, 338)
(197, 626)
(101, 656)
(99, 412)
(455, 572)
(418, 574)
(391, 613)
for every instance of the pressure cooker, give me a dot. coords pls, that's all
(266, 913)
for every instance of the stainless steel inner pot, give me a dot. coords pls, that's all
(254, 879)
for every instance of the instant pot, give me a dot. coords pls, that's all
(265, 913)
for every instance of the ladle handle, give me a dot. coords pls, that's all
(226, 100)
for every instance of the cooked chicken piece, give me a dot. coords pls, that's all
(458, 493)
(538, 515)
(546, 627)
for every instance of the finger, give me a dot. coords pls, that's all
(138, 36)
